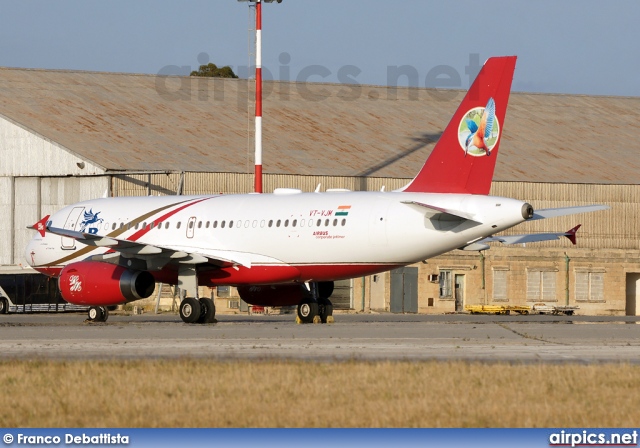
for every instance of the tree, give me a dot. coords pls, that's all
(211, 70)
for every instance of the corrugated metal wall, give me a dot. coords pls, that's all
(616, 228)
(28, 199)
(6, 220)
(208, 183)
(25, 153)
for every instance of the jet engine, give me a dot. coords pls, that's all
(281, 295)
(273, 295)
(102, 284)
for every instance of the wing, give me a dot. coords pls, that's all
(141, 250)
(488, 117)
(432, 209)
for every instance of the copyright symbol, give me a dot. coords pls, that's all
(8, 438)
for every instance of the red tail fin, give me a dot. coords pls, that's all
(464, 158)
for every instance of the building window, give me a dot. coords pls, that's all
(541, 286)
(500, 285)
(446, 286)
(590, 286)
(223, 291)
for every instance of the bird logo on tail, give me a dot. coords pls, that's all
(479, 130)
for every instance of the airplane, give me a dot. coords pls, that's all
(287, 248)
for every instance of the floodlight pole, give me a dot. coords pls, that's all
(258, 123)
(258, 119)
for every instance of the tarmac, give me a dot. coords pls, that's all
(373, 337)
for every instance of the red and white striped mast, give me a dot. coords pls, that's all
(258, 118)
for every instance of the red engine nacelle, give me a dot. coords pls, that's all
(273, 295)
(103, 284)
(281, 295)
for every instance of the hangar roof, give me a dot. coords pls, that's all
(127, 122)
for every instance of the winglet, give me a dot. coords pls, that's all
(571, 234)
(41, 226)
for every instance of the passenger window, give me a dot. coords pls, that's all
(144, 225)
(151, 226)
(207, 225)
(335, 222)
(326, 223)
(294, 223)
(262, 223)
(113, 226)
(278, 223)
(344, 221)
(302, 223)
(319, 223)
(246, 224)
(215, 224)
(191, 224)
(271, 223)
(230, 224)
(121, 225)
(199, 224)
(136, 226)
(286, 223)
(222, 225)
(179, 224)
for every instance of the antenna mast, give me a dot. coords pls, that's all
(258, 119)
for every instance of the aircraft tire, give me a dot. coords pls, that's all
(207, 311)
(325, 309)
(4, 306)
(190, 310)
(96, 314)
(307, 310)
(105, 314)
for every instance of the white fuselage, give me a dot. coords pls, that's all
(288, 228)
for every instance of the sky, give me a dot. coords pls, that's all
(563, 46)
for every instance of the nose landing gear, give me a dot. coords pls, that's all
(98, 314)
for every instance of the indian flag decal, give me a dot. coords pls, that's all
(343, 210)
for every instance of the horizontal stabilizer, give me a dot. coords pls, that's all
(40, 226)
(533, 237)
(564, 211)
(455, 213)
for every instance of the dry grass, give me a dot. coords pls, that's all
(203, 393)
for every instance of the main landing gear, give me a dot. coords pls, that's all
(98, 314)
(317, 308)
(198, 311)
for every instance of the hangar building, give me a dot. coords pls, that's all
(68, 136)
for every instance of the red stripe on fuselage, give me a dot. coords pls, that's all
(140, 233)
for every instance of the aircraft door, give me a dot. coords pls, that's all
(459, 292)
(191, 226)
(71, 224)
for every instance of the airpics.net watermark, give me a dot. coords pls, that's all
(173, 82)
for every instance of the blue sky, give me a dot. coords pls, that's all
(569, 46)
